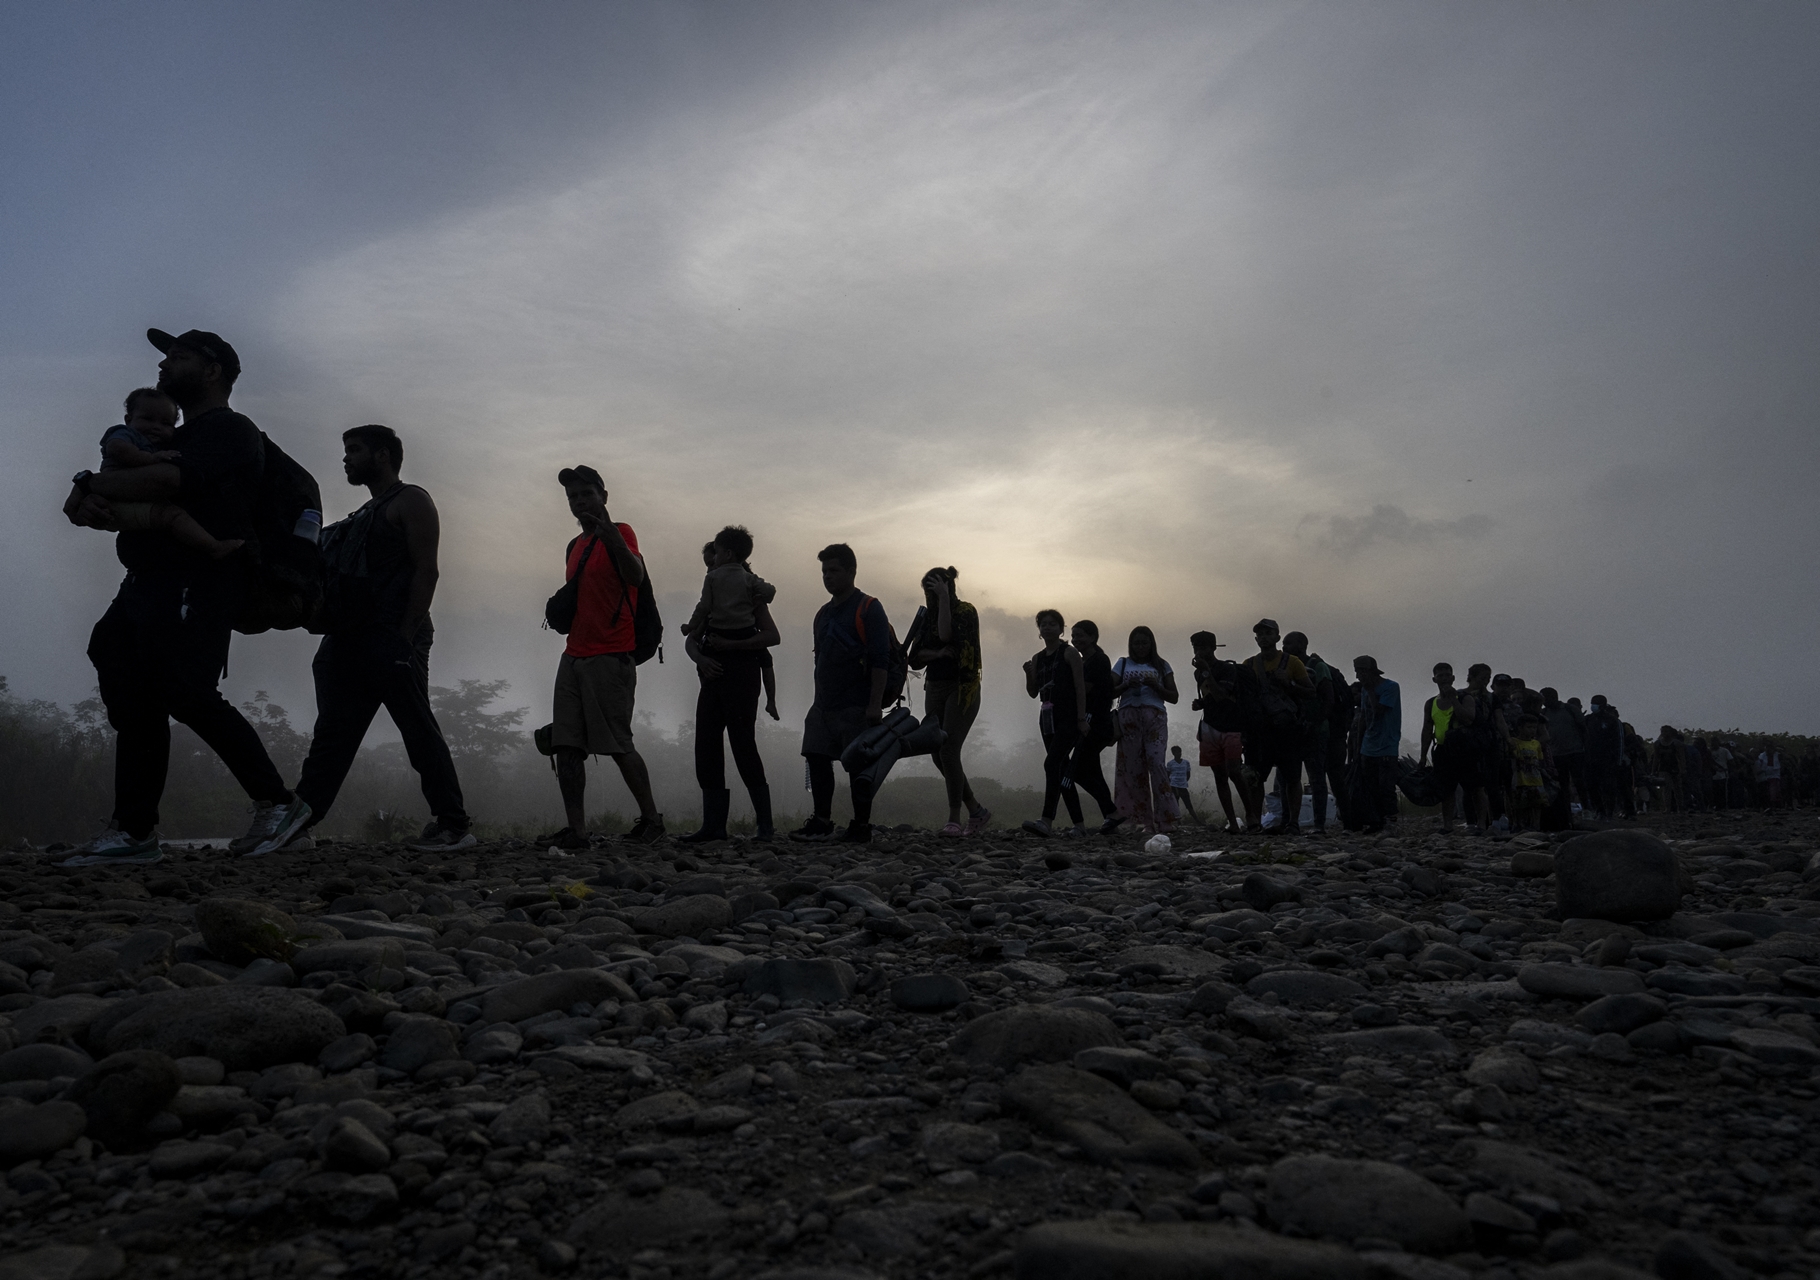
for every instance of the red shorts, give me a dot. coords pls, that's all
(1221, 750)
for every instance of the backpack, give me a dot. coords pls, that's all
(647, 623)
(284, 582)
(897, 664)
(348, 595)
(1227, 715)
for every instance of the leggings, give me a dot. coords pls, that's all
(1058, 747)
(942, 699)
(729, 704)
(1084, 771)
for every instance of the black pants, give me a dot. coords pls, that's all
(1084, 771)
(356, 675)
(1335, 756)
(729, 704)
(1602, 785)
(1281, 751)
(159, 651)
(1058, 750)
(1376, 795)
(1572, 771)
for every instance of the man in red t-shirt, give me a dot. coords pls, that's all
(596, 678)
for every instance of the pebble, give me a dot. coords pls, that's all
(923, 1057)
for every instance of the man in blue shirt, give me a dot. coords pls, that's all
(1377, 736)
(852, 661)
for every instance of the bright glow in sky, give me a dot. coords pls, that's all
(1436, 331)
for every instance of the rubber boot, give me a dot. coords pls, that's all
(761, 812)
(713, 817)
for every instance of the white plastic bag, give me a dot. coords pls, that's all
(1158, 843)
(1273, 813)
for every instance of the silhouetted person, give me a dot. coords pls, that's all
(852, 665)
(380, 579)
(162, 646)
(597, 675)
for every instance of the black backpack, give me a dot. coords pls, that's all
(1278, 711)
(284, 581)
(349, 599)
(897, 663)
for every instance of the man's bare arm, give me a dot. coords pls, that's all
(157, 483)
(414, 513)
(631, 568)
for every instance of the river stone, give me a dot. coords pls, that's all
(31, 1133)
(1098, 1117)
(619, 1225)
(240, 932)
(42, 1062)
(1177, 962)
(417, 1041)
(65, 1262)
(349, 956)
(524, 1121)
(351, 1198)
(1321, 1196)
(1305, 987)
(61, 1018)
(1393, 1042)
(351, 1147)
(147, 952)
(1577, 982)
(1262, 892)
(91, 964)
(1500, 1068)
(178, 1159)
(824, 981)
(1033, 1033)
(1617, 875)
(246, 1028)
(948, 1145)
(668, 1108)
(1622, 1013)
(1109, 1249)
(122, 1093)
(547, 992)
(1514, 1169)
(694, 916)
(929, 992)
(1532, 863)
(1775, 1046)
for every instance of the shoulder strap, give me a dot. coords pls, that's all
(859, 616)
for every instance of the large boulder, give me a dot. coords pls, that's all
(245, 1028)
(1345, 1199)
(241, 932)
(825, 981)
(1617, 875)
(694, 916)
(1033, 1033)
(31, 1133)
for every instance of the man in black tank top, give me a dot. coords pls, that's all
(381, 577)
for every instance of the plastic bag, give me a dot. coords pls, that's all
(1273, 813)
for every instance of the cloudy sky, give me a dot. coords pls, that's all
(1477, 332)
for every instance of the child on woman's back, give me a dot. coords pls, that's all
(151, 421)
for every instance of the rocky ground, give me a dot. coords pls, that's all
(1341, 1057)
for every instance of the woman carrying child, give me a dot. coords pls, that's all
(728, 639)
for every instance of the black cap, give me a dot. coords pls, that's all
(1267, 624)
(212, 345)
(580, 475)
(1365, 662)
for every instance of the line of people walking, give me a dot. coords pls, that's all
(219, 530)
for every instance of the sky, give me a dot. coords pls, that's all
(1436, 331)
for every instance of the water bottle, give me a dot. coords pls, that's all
(308, 526)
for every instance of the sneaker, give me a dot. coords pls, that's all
(1076, 832)
(115, 847)
(266, 818)
(646, 830)
(977, 820)
(814, 829)
(437, 838)
(1039, 827)
(567, 838)
(857, 832)
(288, 823)
(1111, 824)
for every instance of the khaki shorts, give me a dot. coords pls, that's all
(593, 706)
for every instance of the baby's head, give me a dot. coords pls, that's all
(710, 554)
(732, 545)
(151, 413)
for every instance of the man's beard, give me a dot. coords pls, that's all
(178, 389)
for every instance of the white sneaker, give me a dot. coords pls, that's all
(265, 821)
(287, 825)
(114, 847)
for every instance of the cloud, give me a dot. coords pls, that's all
(1389, 524)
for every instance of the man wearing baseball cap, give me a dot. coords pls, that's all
(162, 647)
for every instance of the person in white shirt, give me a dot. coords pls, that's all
(1179, 771)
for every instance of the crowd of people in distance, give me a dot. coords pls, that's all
(200, 518)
